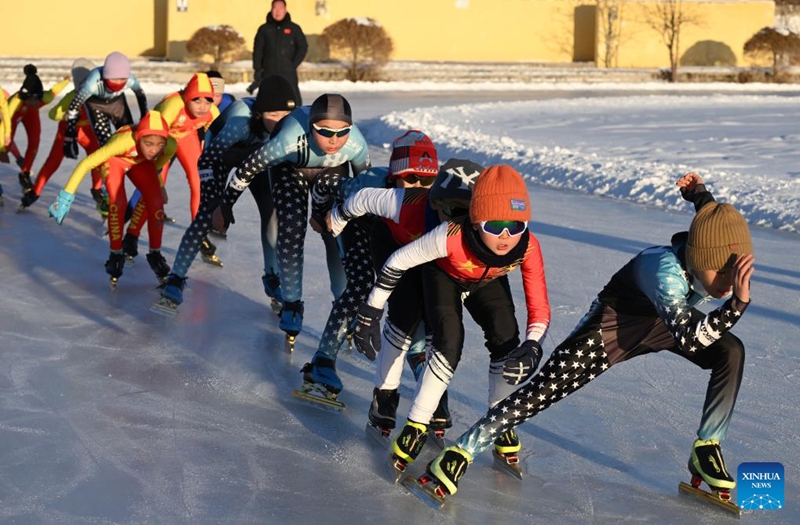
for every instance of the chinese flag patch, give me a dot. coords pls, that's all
(287, 31)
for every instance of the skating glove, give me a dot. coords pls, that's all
(60, 208)
(522, 362)
(222, 217)
(70, 140)
(367, 332)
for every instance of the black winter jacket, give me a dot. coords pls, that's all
(279, 49)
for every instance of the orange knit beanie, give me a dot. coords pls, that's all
(500, 194)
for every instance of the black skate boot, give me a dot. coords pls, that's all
(383, 411)
(158, 264)
(707, 463)
(209, 253)
(407, 446)
(441, 421)
(291, 321)
(114, 265)
(272, 287)
(130, 247)
(506, 453)
(28, 198)
(447, 469)
(25, 181)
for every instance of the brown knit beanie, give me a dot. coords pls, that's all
(500, 194)
(717, 231)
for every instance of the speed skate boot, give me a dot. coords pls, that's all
(28, 198)
(25, 181)
(171, 296)
(321, 371)
(706, 464)
(291, 321)
(383, 410)
(441, 419)
(321, 385)
(158, 264)
(114, 265)
(446, 470)
(408, 446)
(506, 453)
(209, 253)
(272, 287)
(100, 201)
(173, 288)
(130, 247)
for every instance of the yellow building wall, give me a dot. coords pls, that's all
(93, 28)
(718, 31)
(467, 30)
(475, 30)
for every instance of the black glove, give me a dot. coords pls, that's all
(70, 141)
(367, 331)
(522, 362)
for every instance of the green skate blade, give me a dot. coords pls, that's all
(423, 492)
(512, 469)
(322, 403)
(164, 307)
(377, 436)
(701, 494)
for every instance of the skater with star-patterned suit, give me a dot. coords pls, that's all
(308, 142)
(413, 164)
(241, 129)
(649, 305)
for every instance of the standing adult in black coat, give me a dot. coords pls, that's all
(279, 48)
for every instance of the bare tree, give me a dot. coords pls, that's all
(364, 44)
(782, 45)
(609, 16)
(222, 42)
(669, 18)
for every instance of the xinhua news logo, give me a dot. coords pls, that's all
(760, 486)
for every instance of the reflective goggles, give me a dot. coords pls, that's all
(496, 228)
(453, 209)
(413, 179)
(328, 132)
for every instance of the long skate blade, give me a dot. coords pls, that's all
(424, 492)
(701, 494)
(20, 208)
(165, 307)
(130, 260)
(213, 260)
(375, 433)
(218, 234)
(395, 468)
(323, 403)
(439, 442)
(512, 469)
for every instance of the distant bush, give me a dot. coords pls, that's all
(780, 44)
(362, 44)
(223, 43)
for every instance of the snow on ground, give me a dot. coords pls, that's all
(109, 414)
